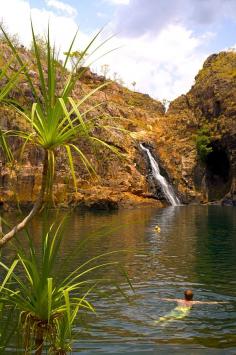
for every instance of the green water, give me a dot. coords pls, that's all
(195, 249)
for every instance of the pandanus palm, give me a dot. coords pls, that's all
(49, 305)
(55, 121)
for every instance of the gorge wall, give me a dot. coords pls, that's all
(129, 118)
(208, 112)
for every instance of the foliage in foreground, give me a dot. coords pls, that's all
(8, 326)
(49, 306)
(55, 122)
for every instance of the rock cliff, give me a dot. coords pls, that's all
(208, 114)
(130, 118)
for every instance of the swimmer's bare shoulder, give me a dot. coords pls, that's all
(188, 300)
(208, 302)
(181, 301)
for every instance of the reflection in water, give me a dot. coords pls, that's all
(195, 249)
(216, 249)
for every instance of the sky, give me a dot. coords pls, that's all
(155, 46)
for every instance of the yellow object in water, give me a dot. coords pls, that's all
(157, 228)
(178, 312)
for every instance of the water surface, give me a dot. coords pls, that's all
(196, 248)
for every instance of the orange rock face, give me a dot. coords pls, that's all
(129, 118)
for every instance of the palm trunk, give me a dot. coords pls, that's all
(36, 208)
(39, 342)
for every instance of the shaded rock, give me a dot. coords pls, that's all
(228, 202)
(211, 105)
(127, 182)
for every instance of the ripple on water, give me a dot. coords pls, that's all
(196, 249)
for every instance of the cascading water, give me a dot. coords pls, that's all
(165, 186)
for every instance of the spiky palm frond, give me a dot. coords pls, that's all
(48, 306)
(55, 121)
(55, 118)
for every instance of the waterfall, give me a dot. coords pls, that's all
(165, 186)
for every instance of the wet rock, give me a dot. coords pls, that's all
(228, 202)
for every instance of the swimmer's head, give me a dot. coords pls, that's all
(188, 295)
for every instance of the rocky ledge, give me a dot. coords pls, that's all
(194, 143)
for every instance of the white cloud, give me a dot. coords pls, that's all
(62, 6)
(16, 21)
(101, 14)
(62, 27)
(146, 16)
(163, 66)
(118, 2)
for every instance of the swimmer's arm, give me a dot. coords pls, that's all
(208, 302)
(170, 299)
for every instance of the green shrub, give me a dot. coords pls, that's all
(203, 141)
(48, 303)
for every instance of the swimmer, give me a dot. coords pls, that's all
(157, 229)
(183, 307)
(188, 300)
